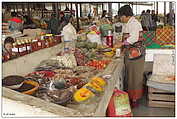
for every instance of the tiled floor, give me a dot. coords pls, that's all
(144, 111)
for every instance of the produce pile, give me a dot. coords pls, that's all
(70, 77)
(91, 54)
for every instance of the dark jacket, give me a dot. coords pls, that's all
(53, 25)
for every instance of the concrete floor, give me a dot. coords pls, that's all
(144, 111)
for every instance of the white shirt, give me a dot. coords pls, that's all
(133, 27)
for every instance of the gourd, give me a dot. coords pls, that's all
(94, 87)
(100, 81)
(83, 94)
(111, 53)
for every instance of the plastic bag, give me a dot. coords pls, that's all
(119, 105)
(94, 38)
(69, 32)
(68, 60)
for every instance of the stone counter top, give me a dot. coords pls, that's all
(26, 64)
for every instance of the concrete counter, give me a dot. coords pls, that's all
(25, 65)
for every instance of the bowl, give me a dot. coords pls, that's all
(33, 83)
(59, 84)
(13, 81)
(15, 86)
(61, 97)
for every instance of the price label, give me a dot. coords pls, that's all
(39, 43)
(14, 49)
(28, 47)
(20, 49)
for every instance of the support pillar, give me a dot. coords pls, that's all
(80, 10)
(110, 9)
(77, 17)
(164, 13)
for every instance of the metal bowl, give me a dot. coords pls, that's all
(15, 86)
(61, 97)
(13, 81)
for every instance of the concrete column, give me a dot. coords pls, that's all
(80, 10)
(23, 8)
(28, 9)
(97, 9)
(164, 12)
(136, 8)
(154, 5)
(16, 7)
(56, 10)
(170, 6)
(157, 8)
(77, 17)
(71, 6)
(118, 7)
(110, 9)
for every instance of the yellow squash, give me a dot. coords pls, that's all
(100, 81)
(111, 53)
(82, 94)
(94, 86)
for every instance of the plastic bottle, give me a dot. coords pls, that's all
(51, 41)
(30, 42)
(28, 46)
(20, 47)
(15, 48)
(109, 39)
(25, 51)
(43, 44)
(39, 44)
(46, 41)
(33, 45)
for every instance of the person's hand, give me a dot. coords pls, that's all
(118, 44)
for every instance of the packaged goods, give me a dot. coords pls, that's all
(119, 105)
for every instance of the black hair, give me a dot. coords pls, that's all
(152, 11)
(13, 14)
(8, 40)
(104, 11)
(53, 15)
(125, 10)
(148, 11)
(68, 19)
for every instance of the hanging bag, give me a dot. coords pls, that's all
(136, 50)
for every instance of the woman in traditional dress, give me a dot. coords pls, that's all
(134, 54)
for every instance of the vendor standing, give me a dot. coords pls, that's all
(7, 49)
(53, 24)
(134, 54)
(62, 21)
(15, 23)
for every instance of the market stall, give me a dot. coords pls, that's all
(95, 107)
(79, 72)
